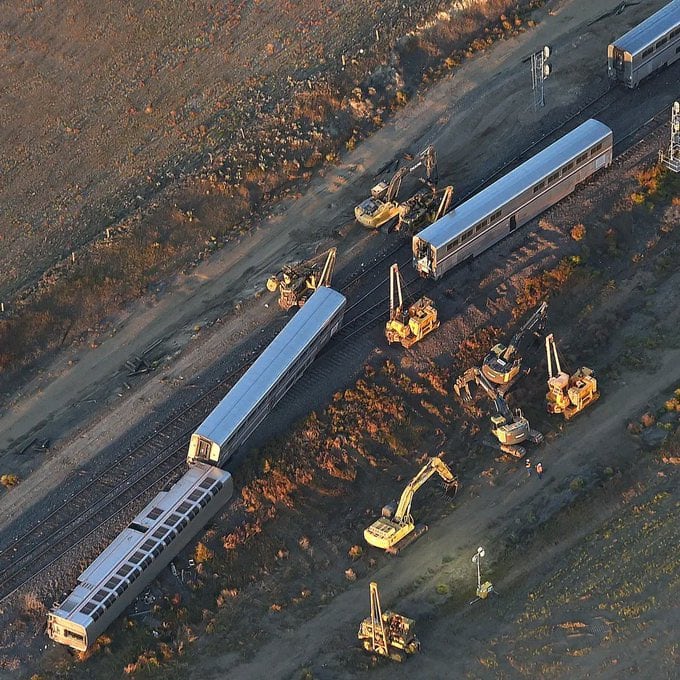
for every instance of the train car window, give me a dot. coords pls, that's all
(538, 187)
(146, 562)
(582, 157)
(496, 215)
(595, 149)
(112, 583)
(647, 52)
(206, 483)
(97, 613)
(155, 513)
(137, 527)
(69, 633)
(157, 550)
(148, 544)
(88, 608)
(159, 533)
(194, 511)
(99, 596)
(195, 495)
(661, 42)
(137, 557)
(204, 501)
(677, 49)
(674, 32)
(183, 522)
(465, 236)
(450, 246)
(124, 570)
(568, 167)
(553, 177)
(120, 589)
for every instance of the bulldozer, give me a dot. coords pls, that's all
(510, 428)
(422, 209)
(502, 364)
(387, 633)
(412, 324)
(568, 394)
(382, 206)
(395, 529)
(297, 282)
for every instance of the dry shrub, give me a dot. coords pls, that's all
(9, 480)
(648, 178)
(203, 553)
(537, 288)
(144, 661)
(578, 232)
(355, 552)
(33, 607)
(241, 534)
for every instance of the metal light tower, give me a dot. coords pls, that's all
(540, 70)
(477, 559)
(671, 159)
(483, 589)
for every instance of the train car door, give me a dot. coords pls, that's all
(618, 63)
(513, 222)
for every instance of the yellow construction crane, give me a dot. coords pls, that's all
(502, 364)
(382, 206)
(510, 428)
(412, 324)
(297, 282)
(422, 209)
(387, 633)
(396, 528)
(568, 394)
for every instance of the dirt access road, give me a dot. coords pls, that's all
(453, 639)
(494, 111)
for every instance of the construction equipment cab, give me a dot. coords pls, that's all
(297, 282)
(396, 528)
(510, 428)
(412, 324)
(382, 206)
(568, 394)
(502, 364)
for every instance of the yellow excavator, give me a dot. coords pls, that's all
(422, 209)
(412, 324)
(382, 206)
(568, 394)
(510, 428)
(501, 366)
(296, 282)
(387, 633)
(395, 529)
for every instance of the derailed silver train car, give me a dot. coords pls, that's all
(650, 46)
(513, 200)
(137, 555)
(268, 379)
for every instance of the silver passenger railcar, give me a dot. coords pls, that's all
(650, 46)
(513, 200)
(267, 380)
(137, 555)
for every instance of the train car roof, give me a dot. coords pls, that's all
(514, 183)
(650, 30)
(287, 346)
(129, 540)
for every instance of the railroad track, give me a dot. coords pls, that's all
(162, 454)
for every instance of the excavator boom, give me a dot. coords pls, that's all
(396, 528)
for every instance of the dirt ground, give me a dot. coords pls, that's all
(636, 303)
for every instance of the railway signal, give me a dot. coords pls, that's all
(540, 70)
(671, 158)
